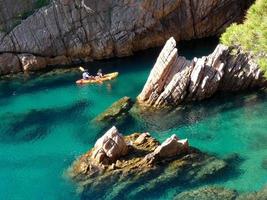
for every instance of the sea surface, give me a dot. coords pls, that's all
(45, 125)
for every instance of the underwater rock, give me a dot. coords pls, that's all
(259, 195)
(85, 30)
(110, 147)
(264, 164)
(175, 80)
(208, 193)
(220, 193)
(116, 112)
(141, 164)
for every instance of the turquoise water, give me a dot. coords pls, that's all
(45, 125)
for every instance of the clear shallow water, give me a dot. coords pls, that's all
(44, 126)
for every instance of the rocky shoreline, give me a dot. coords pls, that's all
(68, 32)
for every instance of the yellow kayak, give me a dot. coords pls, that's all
(105, 77)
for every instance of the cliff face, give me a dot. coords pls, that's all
(174, 80)
(68, 31)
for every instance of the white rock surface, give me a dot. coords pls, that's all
(174, 80)
(110, 147)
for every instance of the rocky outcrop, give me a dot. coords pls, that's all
(146, 162)
(117, 111)
(220, 193)
(109, 147)
(174, 79)
(83, 30)
(205, 193)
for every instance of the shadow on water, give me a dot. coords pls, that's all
(197, 111)
(36, 124)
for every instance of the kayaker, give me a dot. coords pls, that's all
(86, 75)
(99, 73)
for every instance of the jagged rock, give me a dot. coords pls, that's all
(110, 147)
(114, 178)
(174, 80)
(83, 30)
(208, 193)
(171, 147)
(116, 111)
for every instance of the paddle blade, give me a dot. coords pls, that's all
(82, 69)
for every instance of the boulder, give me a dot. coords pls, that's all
(171, 147)
(110, 147)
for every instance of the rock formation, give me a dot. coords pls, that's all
(174, 79)
(205, 193)
(109, 147)
(66, 31)
(116, 111)
(220, 193)
(146, 161)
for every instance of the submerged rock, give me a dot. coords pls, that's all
(146, 161)
(259, 195)
(220, 193)
(175, 80)
(264, 164)
(65, 31)
(208, 193)
(116, 112)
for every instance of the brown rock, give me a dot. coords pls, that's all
(142, 138)
(9, 63)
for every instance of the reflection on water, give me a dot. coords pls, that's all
(191, 113)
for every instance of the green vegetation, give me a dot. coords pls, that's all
(41, 3)
(251, 36)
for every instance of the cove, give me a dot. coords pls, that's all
(45, 125)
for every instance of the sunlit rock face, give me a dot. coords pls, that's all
(174, 79)
(66, 32)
